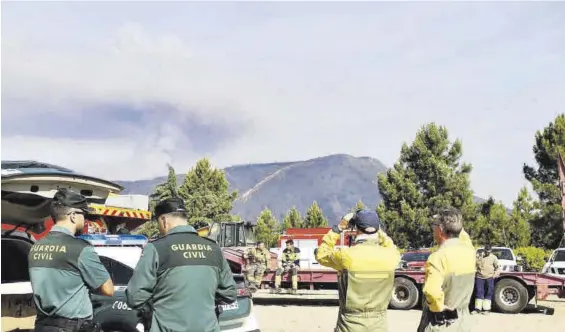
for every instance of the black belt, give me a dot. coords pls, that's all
(77, 324)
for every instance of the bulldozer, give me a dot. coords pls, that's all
(235, 238)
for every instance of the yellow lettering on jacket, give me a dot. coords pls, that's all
(190, 246)
(43, 256)
(192, 250)
(50, 248)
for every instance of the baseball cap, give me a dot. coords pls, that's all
(68, 198)
(169, 205)
(366, 221)
(439, 218)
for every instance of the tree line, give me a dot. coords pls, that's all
(428, 176)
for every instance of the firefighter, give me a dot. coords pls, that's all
(290, 264)
(449, 279)
(181, 277)
(257, 260)
(64, 270)
(487, 271)
(365, 272)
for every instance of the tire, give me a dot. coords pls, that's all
(510, 296)
(405, 294)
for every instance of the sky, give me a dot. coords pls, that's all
(120, 89)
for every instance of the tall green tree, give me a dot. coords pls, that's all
(165, 190)
(492, 225)
(523, 212)
(206, 194)
(292, 219)
(315, 217)
(162, 191)
(267, 229)
(427, 177)
(547, 229)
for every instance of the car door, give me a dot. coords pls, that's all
(113, 312)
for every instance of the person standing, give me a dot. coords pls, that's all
(487, 271)
(181, 276)
(365, 272)
(449, 278)
(290, 262)
(64, 270)
(257, 260)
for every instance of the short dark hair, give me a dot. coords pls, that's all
(451, 221)
(59, 212)
(260, 242)
(289, 241)
(181, 215)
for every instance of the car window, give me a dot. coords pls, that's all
(559, 256)
(119, 272)
(416, 257)
(505, 254)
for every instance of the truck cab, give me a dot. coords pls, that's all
(556, 263)
(506, 259)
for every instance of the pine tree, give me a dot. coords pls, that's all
(315, 217)
(427, 177)
(165, 190)
(267, 228)
(206, 194)
(359, 206)
(292, 219)
(522, 215)
(547, 229)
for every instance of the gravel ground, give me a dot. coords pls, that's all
(276, 318)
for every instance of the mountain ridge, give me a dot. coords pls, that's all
(335, 181)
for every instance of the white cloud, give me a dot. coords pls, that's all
(303, 81)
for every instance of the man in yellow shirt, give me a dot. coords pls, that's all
(450, 277)
(365, 272)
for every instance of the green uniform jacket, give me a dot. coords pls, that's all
(449, 283)
(184, 276)
(365, 279)
(63, 271)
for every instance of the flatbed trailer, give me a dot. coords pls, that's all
(512, 291)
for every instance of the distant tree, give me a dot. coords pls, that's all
(492, 224)
(547, 229)
(359, 206)
(165, 190)
(149, 229)
(206, 195)
(267, 229)
(523, 212)
(315, 217)
(292, 219)
(427, 177)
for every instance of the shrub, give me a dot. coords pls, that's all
(533, 258)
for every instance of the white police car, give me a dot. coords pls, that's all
(120, 254)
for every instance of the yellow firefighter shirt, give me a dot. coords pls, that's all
(450, 275)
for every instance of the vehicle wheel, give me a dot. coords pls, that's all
(510, 296)
(404, 294)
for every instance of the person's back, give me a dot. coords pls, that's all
(366, 283)
(188, 277)
(458, 260)
(365, 272)
(59, 290)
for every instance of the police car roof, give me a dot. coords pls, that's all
(109, 240)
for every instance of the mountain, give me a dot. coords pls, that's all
(336, 182)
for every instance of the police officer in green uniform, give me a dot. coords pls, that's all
(64, 270)
(181, 275)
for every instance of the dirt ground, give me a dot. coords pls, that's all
(276, 318)
(286, 318)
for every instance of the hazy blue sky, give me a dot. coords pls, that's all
(119, 89)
